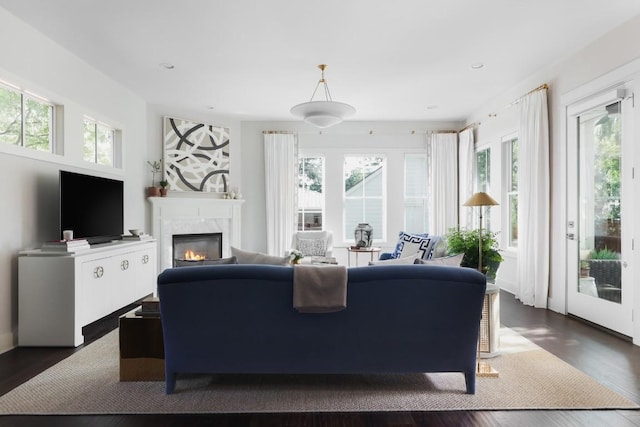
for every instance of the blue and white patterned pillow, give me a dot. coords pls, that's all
(410, 243)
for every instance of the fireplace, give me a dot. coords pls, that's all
(196, 249)
(190, 214)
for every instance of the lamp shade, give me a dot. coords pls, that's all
(480, 199)
(323, 113)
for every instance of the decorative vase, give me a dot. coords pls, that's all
(364, 235)
(163, 192)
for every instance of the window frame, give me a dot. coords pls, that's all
(28, 95)
(416, 200)
(510, 194)
(323, 210)
(114, 141)
(383, 197)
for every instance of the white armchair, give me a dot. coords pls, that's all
(313, 243)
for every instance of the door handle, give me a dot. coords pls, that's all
(571, 236)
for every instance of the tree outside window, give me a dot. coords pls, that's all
(98, 142)
(483, 177)
(25, 121)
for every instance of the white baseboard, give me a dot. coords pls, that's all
(6, 342)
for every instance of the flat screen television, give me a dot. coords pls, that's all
(91, 206)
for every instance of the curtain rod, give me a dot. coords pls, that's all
(276, 132)
(469, 126)
(543, 86)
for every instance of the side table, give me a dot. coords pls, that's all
(358, 251)
(141, 348)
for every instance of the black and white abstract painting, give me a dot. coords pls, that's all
(196, 156)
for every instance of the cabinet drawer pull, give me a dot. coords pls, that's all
(98, 272)
(124, 264)
(145, 259)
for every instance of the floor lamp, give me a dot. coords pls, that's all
(482, 199)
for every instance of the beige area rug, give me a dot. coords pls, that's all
(530, 378)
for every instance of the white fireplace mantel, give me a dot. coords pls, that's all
(185, 215)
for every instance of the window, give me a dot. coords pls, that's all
(512, 189)
(26, 120)
(364, 179)
(483, 170)
(98, 142)
(483, 177)
(310, 193)
(416, 217)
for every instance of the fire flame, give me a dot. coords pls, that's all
(192, 256)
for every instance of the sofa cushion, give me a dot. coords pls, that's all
(393, 261)
(248, 257)
(411, 243)
(453, 260)
(219, 261)
(312, 247)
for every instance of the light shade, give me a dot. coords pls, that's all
(323, 113)
(480, 199)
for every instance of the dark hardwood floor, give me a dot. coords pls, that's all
(609, 359)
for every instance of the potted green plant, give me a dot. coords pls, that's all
(584, 268)
(467, 242)
(163, 187)
(156, 168)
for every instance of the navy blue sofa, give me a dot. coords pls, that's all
(399, 319)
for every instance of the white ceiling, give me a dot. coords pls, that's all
(255, 59)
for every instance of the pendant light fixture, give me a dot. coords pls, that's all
(323, 113)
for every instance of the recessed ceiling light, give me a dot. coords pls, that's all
(431, 107)
(477, 65)
(167, 65)
(210, 107)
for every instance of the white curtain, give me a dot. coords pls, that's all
(442, 151)
(532, 286)
(467, 171)
(281, 176)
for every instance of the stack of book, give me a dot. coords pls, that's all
(136, 237)
(74, 245)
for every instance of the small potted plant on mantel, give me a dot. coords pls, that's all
(156, 167)
(163, 187)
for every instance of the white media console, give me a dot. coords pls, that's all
(59, 292)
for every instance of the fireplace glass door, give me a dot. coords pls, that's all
(196, 249)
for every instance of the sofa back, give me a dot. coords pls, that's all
(240, 319)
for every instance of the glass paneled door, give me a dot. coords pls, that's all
(599, 184)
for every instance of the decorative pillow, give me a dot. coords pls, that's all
(248, 257)
(409, 244)
(406, 260)
(452, 260)
(230, 260)
(312, 247)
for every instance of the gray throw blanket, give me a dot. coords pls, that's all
(319, 288)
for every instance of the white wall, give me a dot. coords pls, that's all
(29, 213)
(611, 51)
(390, 138)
